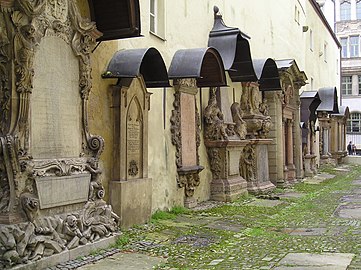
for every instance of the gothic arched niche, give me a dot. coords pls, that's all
(134, 144)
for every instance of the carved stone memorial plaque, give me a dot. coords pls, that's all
(134, 140)
(188, 130)
(51, 189)
(131, 189)
(55, 103)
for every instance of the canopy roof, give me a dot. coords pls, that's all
(135, 62)
(116, 19)
(204, 64)
(309, 103)
(329, 101)
(234, 49)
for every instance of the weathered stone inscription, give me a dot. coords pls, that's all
(188, 130)
(134, 141)
(55, 130)
(57, 191)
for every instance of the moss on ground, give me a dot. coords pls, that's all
(263, 236)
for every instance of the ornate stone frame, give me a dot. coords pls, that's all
(188, 177)
(25, 24)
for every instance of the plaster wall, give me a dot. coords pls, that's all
(187, 25)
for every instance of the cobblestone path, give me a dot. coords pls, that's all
(321, 218)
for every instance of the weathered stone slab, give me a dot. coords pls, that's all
(68, 254)
(225, 225)
(309, 261)
(55, 103)
(188, 130)
(265, 203)
(291, 195)
(57, 191)
(352, 211)
(351, 198)
(356, 182)
(305, 231)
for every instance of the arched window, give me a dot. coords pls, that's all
(345, 11)
(354, 123)
(358, 9)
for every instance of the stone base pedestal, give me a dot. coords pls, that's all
(190, 202)
(228, 190)
(261, 182)
(227, 184)
(132, 201)
(308, 164)
(290, 175)
(327, 159)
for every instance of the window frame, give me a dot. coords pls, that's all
(358, 9)
(345, 11)
(346, 86)
(344, 47)
(354, 123)
(354, 48)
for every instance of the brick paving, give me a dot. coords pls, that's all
(314, 219)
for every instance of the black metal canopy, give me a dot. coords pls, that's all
(343, 111)
(329, 100)
(267, 74)
(309, 103)
(234, 49)
(204, 64)
(116, 19)
(135, 62)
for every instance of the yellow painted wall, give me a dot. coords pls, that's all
(274, 33)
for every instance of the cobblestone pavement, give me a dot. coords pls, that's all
(320, 217)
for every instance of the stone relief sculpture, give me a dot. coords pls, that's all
(247, 164)
(215, 128)
(34, 235)
(256, 111)
(240, 124)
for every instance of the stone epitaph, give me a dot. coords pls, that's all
(254, 161)
(130, 188)
(225, 143)
(51, 193)
(186, 137)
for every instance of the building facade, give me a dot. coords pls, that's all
(347, 22)
(154, 105)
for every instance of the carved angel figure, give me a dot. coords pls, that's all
(215, 129)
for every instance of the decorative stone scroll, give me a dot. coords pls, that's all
(45, 143)
(186, 137)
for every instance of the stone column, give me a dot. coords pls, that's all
(298, 142)
(285, 161)
(290, 143)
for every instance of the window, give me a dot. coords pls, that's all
(157, 18)
(354, 123)
(354, 47)
(344, 47)
(358, 10)
(345, 11)
(359, 84)
(346, 85)
(297, 15)
(311, 40)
